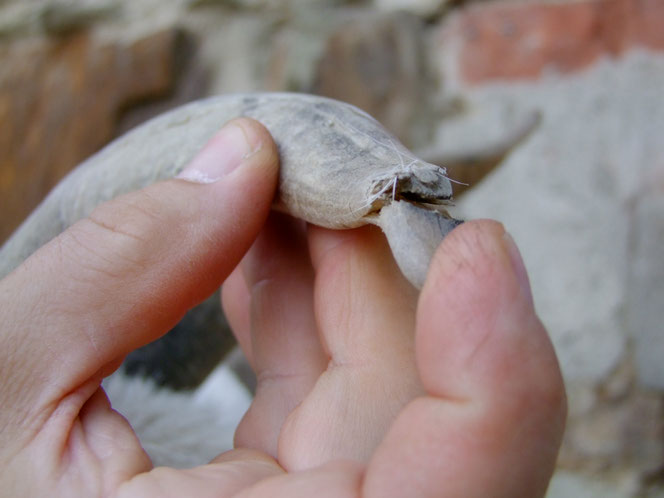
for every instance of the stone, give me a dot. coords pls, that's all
(233, 49)
(617, 435)
(566, 484)
(53, 17)
(297, 48)
(59, 17)
(18, 19)
(643, 433)
(190, 81)
(58, 104)
(290, 6)
(526, 40)
(422, 8)
(293, 60)
(645, 295)
(375, 62)
(618, 385)
(581, 399)
(599, 436)
(470, 159)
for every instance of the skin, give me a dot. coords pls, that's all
(366, 388)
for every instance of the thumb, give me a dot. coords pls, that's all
(122, 277)
(494, 416)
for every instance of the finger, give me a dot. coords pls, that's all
(236, 300)
(363, 303)
(494, 418)
(340, 479)
(287, 355)
(365, 312)
(226, 475)
(125, 275)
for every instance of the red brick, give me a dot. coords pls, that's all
(517, 40)
(647, 25)
(59, 102)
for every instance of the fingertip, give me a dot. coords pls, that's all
(240, 143)
(477, 327)
(263, 149)
(261, 163)
(462, 249)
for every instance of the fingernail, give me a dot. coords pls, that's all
(222, 154)
(518, 266)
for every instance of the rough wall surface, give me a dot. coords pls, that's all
(573, 198)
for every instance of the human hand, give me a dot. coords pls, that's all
(366, 389)
(363, 388)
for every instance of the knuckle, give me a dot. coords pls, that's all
(123, 236)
